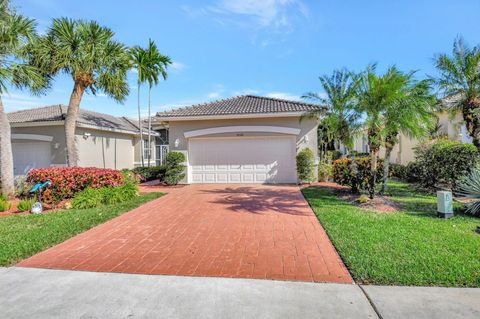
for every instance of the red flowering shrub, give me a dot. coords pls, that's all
(67, 181)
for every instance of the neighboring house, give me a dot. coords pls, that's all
(245, 139)
(404, 151)
(105, 141)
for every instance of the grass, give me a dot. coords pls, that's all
(24, 236)
(410, 247)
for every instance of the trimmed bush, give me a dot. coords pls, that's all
(68, 181)
(151, 173)
(442, 162)
(88, 198)
(306, 166)
(175, 170)
(398, 171)
(325, 172)
(344, 172)
(26, 205)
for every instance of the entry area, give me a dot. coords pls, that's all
(245, 231)
(256, 159)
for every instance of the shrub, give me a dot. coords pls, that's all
(398, 171)
(151, 173)
(344, 172)
(67, 181)
(306, 166)
(4, 204)
(325, 172)
(443, 162)
(88, 198)
(92, 197)
(175, 170)
(469, 188)
(26, 204)
(334, 155)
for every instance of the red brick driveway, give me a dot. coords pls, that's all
(248, 231)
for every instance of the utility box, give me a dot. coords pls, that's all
(444, 204)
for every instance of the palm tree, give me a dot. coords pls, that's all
(341, 120)
(459, 79)
(156, 66)
(411, 114)
(138, 57)
(378, 97)
(15, 32)
(87, 52)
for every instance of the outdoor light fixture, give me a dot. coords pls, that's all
(86, 135)
(177, 142)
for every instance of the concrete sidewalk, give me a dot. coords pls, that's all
(41, 293)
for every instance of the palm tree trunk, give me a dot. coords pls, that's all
(140, 125)
(6, 157)
(472, 122)
(149, 126)
(71, 123)
(374, 149)
(386, 168)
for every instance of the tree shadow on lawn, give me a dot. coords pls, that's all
(261, 200)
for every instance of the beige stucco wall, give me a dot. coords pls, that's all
(104, 149)
(57, 145)
(101, 149)
(308, 130)
(404, 151)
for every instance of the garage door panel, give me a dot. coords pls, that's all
(30, 155)
(243, 160)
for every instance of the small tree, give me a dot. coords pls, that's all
(306, 166)
(87, 52)
(175, 168)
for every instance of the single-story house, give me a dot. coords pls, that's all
(105, 141)
(450, 126)
(244, 139)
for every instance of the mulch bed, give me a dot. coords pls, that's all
(381, 204)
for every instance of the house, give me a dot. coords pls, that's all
(105, 141)
(450, 126)
(244, 139)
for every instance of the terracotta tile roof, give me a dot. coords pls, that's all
(59, 112)
(245, 104)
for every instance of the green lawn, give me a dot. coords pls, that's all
(24, 236)
(411, 247)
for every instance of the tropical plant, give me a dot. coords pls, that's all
(15, 32)
(358, 177)
(4, 203)
(459, 81)
(411, 113)
(341, 121)
(96, 63)
(469, 188)
(383, 100)
(26, 204)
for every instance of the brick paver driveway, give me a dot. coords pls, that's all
(249, 231)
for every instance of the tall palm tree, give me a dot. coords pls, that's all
(138, 57)
(341, 120)
(15, 32)
(459, 79)
(378, 97)
(411, 114)
(87, 52)
(156, 66)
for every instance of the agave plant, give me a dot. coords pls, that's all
(469, 188)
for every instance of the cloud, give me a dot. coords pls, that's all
(246, 92)
(219, 90)
(177, 66)
(16, 102)
(283, 95)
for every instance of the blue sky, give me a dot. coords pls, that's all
(277, 48)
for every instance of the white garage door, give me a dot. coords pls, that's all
(242, 160)
(28, 155)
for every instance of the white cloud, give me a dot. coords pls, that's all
(283, 95)
(15, 102)
(246, 92)
(265, 13)
(177, 66)
(219, 90)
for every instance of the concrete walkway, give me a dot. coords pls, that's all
(42, 293)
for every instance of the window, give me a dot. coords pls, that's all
(147, 150)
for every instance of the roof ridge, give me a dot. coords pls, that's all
(282, 100)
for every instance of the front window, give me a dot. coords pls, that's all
(147, 150)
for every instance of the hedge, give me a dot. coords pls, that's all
(343, 172)
(306, 166)
(67, 181)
